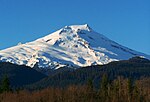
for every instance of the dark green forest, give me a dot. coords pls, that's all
(134, 69)
(19, 75)
(120, 81)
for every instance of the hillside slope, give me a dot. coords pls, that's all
(134, 68)
(19, 75)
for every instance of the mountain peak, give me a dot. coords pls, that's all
(81, 27)
(76, 28)
(67, 32)
(75, 45)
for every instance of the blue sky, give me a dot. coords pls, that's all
(124, 21)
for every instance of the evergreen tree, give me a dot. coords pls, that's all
(90, 85)
(130, 88)
(90, 90)
(104, 88)
(104, 83)
(5, 84)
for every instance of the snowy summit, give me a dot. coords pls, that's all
(76, 45)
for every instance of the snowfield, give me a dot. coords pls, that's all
(76, 45)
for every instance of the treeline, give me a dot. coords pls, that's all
(134, 68)
(119, 90)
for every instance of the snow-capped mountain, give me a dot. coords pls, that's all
(76, 45)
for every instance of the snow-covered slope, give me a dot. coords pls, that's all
(76, 45)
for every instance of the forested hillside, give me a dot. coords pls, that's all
(134, 69)
(19, 75)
